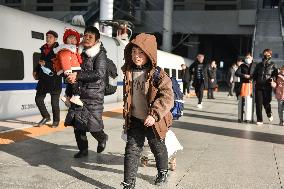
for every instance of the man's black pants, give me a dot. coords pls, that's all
(39, 99)
(263, 97)
(199, 89)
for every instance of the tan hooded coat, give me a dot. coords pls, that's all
(160, 97)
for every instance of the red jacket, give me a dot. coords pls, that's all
(67, 59)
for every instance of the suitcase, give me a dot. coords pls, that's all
(246, 105)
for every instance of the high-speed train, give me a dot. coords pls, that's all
(21, 36)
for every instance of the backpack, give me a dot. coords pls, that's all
(111, 78)
(177, 109)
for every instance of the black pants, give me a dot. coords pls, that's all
(210, 94)
(231, 90)
(237, 89)
(135, 142)
(39, 99)
(186, 86)
(199, 88)
(82, 141)
(263, 97)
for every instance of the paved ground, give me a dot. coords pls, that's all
(218, 153)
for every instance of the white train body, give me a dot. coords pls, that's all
(18, 49)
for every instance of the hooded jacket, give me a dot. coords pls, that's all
(160, 97)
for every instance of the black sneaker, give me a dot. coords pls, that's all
(161, 177)
(102, 145)
(43, 122)
(55, 124)
(128, 186)
(81, 154)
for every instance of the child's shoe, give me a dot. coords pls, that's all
(76, 100)
(161, 177)
(66, 101)
(173, 164)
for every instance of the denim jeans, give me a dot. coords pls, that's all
(135, 141)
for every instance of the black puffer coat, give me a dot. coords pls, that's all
(263, 74)
(47, 84)
(92, 81)
(186, 75)
(211, 74)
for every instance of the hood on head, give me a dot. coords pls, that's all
(147, 43)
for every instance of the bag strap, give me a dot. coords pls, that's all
(156, 76)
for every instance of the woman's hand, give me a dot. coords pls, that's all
(71, 78)
(149, 121)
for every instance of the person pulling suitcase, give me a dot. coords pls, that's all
(245, 72)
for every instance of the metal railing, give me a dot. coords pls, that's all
(68, 17)
(254, 31)
(281, 22)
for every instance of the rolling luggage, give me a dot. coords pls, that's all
(245, 107)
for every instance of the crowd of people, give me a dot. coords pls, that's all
(246, 78)
(83, 66)
(147, 103)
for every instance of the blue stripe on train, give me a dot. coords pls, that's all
(29, 86)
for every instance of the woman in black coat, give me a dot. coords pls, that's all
(211, 79)
(92, 80)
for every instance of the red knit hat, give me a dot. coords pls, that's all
(68, 32)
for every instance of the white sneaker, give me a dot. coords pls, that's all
(66, 101)
(76, 100)
(270, 118)
(199, 106)
(259, 123)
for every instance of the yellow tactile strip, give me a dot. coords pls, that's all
(27, 133)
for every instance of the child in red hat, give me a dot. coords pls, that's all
(68, 61)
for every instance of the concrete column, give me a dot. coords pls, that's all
(167, 27)
(106, 13)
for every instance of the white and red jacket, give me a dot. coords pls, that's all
(67, 59)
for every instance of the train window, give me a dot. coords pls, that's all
(179, 74)
(174, 73)
(37, 35)
(12, 1)
(167, 71)
(36, 58)
(11, 64)
(79, 1)
(44, 8)
(44, 1)
(78, 8)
